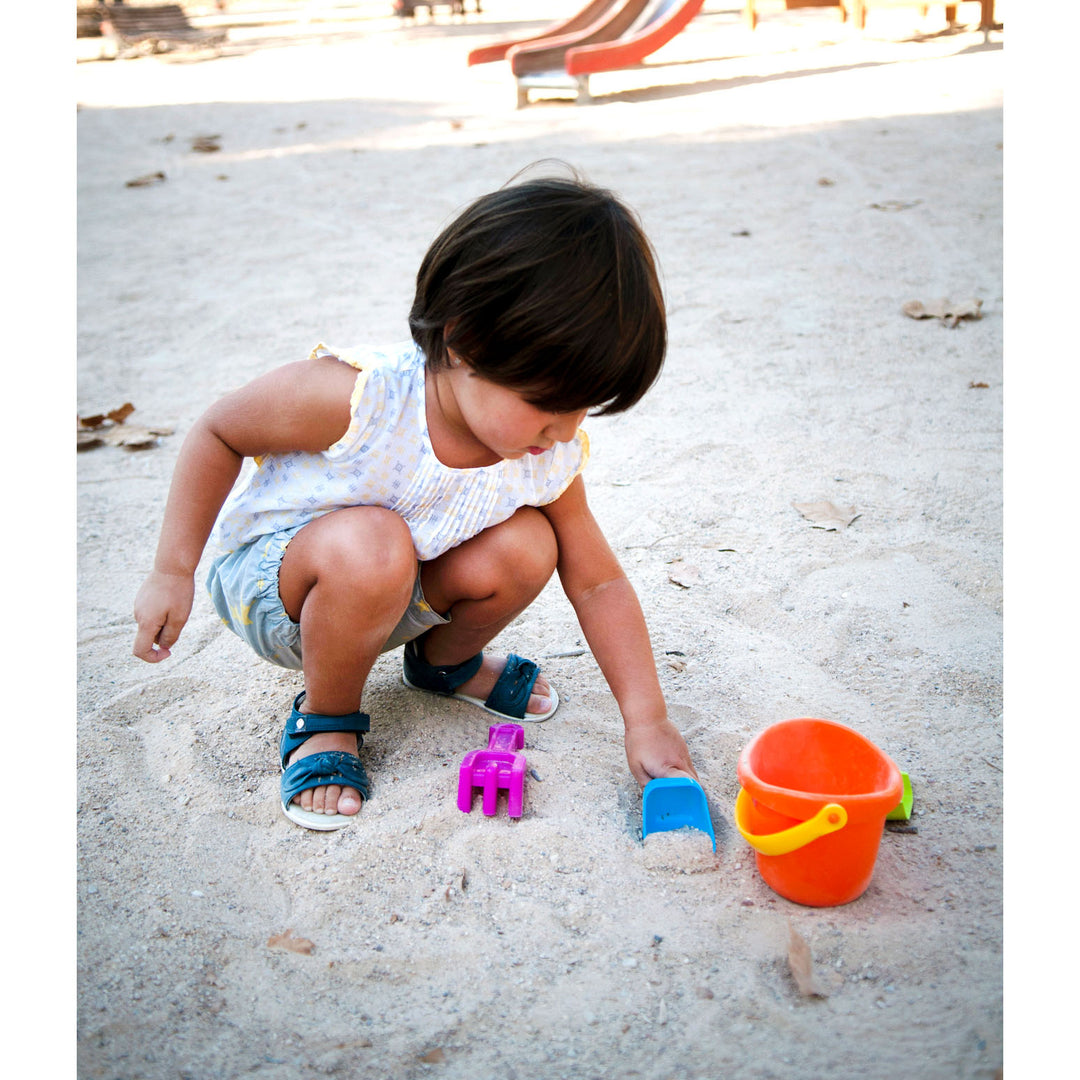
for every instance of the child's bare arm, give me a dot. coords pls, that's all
(303, 406)
(614, 626)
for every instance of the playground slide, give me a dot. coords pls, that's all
(549, 53)
(589, 14)
(659, 24)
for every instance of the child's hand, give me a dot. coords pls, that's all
(161, 609)
(657, 749)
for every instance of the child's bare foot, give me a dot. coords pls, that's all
(332, 799)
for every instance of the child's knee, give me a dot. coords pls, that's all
(530, 545)
(363, 543)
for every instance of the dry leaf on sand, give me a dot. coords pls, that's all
(117, 416)
(950, 312)
(146, 180)
(824, 515)
(110, 429)
(293, 944)
(894, 204)
(433, 1057)
(206, 144)
(802, 964)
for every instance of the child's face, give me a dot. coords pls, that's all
(503, 421)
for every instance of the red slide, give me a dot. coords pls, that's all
(657, 26)
(549, 53)
(584, 19)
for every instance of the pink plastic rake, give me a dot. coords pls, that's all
(497, 767)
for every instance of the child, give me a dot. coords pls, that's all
(423, 495)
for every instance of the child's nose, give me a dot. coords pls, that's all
(563, 428)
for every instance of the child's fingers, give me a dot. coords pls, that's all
(153, 643)
(689, 774)
(161, 609)
(644, 772)
(144, 647)
(169, 633)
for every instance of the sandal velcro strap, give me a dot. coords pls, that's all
(301, 726)
(439, 679)
(321, 770)
(510, 694)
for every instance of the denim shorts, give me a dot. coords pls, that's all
(243, 586)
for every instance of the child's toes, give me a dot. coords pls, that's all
(538, 703)
(312, 800)
(332, 799)
(326, 799)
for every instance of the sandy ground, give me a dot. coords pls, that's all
(800, 185)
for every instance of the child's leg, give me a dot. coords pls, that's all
(484, 584)
(346, 578)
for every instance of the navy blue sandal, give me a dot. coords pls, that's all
(508, 698)
(321, 769)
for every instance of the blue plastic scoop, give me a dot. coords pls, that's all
(675, 802)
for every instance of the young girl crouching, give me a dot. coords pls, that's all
(423, 494)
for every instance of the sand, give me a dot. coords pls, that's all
(801, 184)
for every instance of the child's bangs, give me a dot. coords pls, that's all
(599, 386)
(549, 288)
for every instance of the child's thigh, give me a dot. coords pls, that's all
(517, 554)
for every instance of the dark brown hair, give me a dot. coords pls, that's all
(548, 287)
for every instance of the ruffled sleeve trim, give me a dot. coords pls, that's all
(347, 356)
(358, 417)
(582, 442)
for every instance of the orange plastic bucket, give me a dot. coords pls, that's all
(814, 798)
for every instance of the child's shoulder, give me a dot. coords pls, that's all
(384, 387)
(401, 356)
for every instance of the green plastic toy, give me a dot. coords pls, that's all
(902, 810)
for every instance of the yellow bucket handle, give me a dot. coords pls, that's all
(828, 819)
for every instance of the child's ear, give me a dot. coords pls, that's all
(454, 359)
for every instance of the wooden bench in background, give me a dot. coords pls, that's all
(154, 28)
